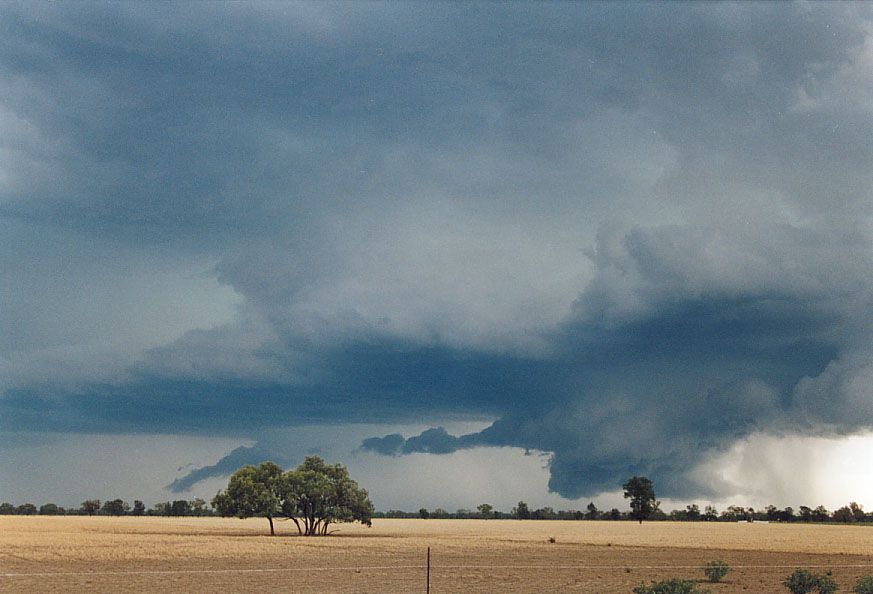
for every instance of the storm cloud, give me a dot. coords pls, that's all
(625, 235)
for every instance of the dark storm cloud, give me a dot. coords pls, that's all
(227, 465)
(629, 233)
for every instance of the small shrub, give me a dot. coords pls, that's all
(671, 586)
(552, 539)
(716, 570)
(806, 582)
(826, 585)
(864, 585)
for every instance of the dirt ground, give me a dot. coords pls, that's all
(101, 554)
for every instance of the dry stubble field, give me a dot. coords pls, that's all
(101, 554)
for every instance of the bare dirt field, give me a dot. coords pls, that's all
(103, 554)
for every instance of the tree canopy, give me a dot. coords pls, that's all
(253, 491)
(314, 495)
(641, 493)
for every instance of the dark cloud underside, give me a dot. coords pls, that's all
(629, 234)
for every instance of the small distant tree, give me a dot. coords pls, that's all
(844, 514)
(180, 507)
(614, 514)
(820, 514)
(521, 511)
(592, 512)
(486, 510)
(197, 507)
(26, 509)
(544, 513)
(138, 508)
(692, 512)
(252, 491)
(116, 507)
(7, 509)
(90, 506)
(423, 513)
(49, 509)
(736, 513)
(641, 493)
(710, 514)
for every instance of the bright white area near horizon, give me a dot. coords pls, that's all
(758, 471)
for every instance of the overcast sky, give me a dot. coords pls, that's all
(474, 251)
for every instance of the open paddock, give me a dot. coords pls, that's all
(105, 554)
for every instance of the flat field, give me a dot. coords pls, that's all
(103, 554)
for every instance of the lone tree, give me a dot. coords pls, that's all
(253, 491)
(641, 492)
(314, 495)
(317, 494)
(521, 511)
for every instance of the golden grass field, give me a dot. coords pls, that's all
(103, 554)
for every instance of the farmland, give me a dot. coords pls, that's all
(129, 554)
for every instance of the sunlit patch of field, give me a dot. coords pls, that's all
(103, 554)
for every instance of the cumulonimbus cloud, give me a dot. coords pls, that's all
(627, 235)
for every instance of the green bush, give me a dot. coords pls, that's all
(671, 586)
(806, 582)
(716, 570)
(826, 585)
(864, 585)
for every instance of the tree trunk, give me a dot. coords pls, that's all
(299, 530)
(272, 530)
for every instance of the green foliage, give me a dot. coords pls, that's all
(253, 491)
(49, 509)
(803, 581)
(826, 585)
(90, 506)
(864, 585)
(521, 511)
(592, 512)
(641, 492)
(671, 586)
(716, 570)
(115, 507)
(316, 494)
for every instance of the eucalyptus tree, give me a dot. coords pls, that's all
(317, 494)
(252, 491)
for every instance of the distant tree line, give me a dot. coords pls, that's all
(316, 494)
(852, 513)
(112, 507)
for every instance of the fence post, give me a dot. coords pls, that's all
(428, 570)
